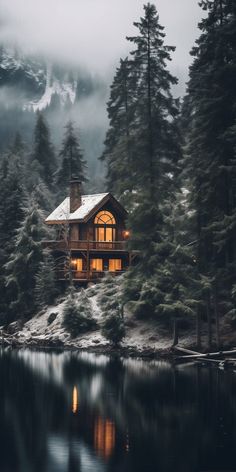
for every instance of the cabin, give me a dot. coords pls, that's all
(91, 236)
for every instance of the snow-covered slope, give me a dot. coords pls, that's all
(65, 89)
(33, 80)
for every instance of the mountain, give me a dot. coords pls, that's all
(29, 83)
(33, 81)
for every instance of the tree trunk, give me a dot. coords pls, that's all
(209, 331)
(175, 333)
(198, 329)
(217, 318)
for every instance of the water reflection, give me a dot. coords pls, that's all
(104, 437)
(75, 400)
(69, 412)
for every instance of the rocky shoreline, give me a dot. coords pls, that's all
(35, 342)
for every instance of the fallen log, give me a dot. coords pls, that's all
(208, 354)
(183, 349)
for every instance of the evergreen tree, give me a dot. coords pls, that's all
(24, 262)
(45, 287)
(210, 116)
(72, 162)
(113, 328)
(120, 139)
(157, 141)
(18, 147)
(43, 152)
(12, 199)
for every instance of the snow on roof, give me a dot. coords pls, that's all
(62, 212)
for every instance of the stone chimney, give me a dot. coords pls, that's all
(75, 195)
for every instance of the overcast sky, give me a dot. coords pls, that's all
(92, 33)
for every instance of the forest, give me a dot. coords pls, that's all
(171, 162)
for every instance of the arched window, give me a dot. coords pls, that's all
(105, 229)
(104, 218)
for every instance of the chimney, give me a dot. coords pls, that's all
(75, 195)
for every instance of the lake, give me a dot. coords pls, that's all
(80, 412)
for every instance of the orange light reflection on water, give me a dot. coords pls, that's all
(75, 400)
(104, 437)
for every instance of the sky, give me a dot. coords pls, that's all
(91, 33)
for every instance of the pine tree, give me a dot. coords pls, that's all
(12, 198)
(45, 287)
(120, 139)
(72, 161)
(155, 151)
(18, 147)
(157, 141)
(24, 262)
(210, 115)
(43, 153)
(113, 328)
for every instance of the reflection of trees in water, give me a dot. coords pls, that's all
(171, 413)
(24, 425)
(114, 416)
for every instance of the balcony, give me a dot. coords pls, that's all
(90, 246)
(84, 275)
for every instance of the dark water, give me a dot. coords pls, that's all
(84, 413)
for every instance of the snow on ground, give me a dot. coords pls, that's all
(64, 90)
(141, 335)
(39, 329)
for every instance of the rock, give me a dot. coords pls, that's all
(52, 317)
(14, 327)
(96, 341)
(153, 338)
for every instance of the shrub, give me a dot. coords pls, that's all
(77, 317)
(113, 328)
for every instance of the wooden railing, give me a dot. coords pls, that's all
(62, 245)
(84, 274)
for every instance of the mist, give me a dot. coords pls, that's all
(91, 33)
(89, 37)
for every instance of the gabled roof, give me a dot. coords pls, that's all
(90, 204)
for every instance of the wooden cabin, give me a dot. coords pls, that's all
(91, 236)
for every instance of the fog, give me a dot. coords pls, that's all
(91, 33)
(88, 35)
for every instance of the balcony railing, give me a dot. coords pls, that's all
(62, 245)
(85, 275)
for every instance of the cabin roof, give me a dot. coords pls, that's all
(90, 204)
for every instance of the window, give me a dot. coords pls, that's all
(77, 264)
(105, 227)
(104, 218)
(115, 264)
(96, 264)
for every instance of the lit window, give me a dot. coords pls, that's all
(77, 264)
(114, 264)
(96, 264)
(104, 218)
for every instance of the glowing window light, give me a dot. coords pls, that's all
(104, 218)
